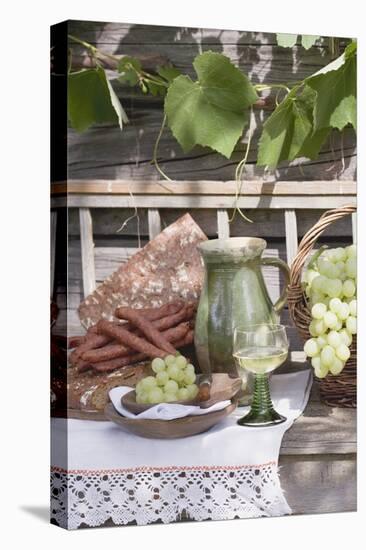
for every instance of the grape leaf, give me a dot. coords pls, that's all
(91, 99)
(168, 72)
(336, 89)
(286, 40)
(313, 143)
(120, 112)
(211, 111)
(308, 40)
(288, 129)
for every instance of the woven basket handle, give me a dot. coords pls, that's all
(308, 241)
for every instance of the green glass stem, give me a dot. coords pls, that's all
(262, 412)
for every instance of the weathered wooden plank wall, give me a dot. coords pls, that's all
(105, 152)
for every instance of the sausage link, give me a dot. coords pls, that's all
(108, 366)
(129, 339)
(115, 351)
(152, 314)
(147, 328)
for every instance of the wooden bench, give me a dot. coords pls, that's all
(318, 454)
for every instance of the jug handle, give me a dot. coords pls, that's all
(277, 262)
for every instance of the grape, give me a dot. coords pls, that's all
(334, 305)
(142, 397)
(340, 254)
(315, 361)
(327, 355)
(334, 339)
(312, 328)
(337, 366)
(318, 311)
(319, 327)
(351, 324)
(318, 283)
(330, 254)
(351, 267)
(162, 378)
(316, 297)
(322, 341)
(181, 362)
(170, 396)
(311, 347)
(349, 288)
(334, 288)
(341, 267)
(330, 271)
(325, 285)
(192, 390)
(158, 364)
(353, 308)
(174, 372)
(189, 378)
(139, 387)
(190, 368)
(351, 251)
(148, 383)
(180, 377)
(343, 352)
(343, 311)
(346, 337)
(183, 394)
(310, 275)
(322, 371)
(156, 395)
(339, 325)
(330, 319)
(171, 386)
(169, 360)
(323, 266)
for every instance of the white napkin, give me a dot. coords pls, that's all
(161, 411)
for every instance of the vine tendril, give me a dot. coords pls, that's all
(238, 176)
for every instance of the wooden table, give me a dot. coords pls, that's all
(318, 459)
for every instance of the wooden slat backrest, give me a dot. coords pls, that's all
(287, 196)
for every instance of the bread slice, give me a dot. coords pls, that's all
(89, 391)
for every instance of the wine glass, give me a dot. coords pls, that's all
(260, 349)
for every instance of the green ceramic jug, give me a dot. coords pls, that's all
(234, 293)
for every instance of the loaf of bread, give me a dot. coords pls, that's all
(89, 391)
(168, 268)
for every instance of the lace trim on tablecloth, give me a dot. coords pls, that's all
(147, 495)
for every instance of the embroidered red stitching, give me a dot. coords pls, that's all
(142, 469)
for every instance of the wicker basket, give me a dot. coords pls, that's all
(341, 390)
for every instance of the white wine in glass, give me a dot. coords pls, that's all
(260, 349)
(260, 360)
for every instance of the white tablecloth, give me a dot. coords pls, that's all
(100, 472)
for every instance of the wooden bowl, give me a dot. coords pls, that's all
(168, 429)
(222, 387)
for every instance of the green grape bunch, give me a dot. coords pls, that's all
(330, 283)
(174, 380)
